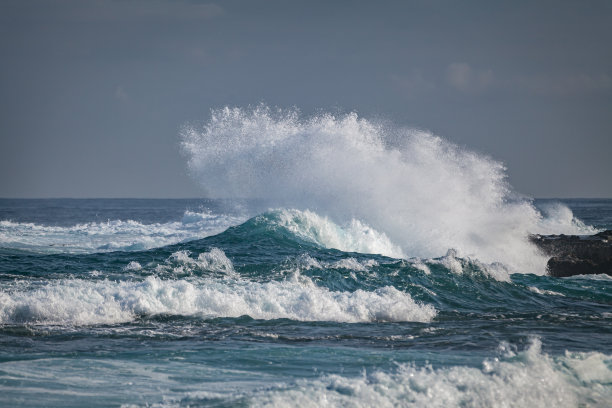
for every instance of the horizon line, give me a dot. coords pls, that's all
(261, 198)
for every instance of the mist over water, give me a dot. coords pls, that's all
(420, 191)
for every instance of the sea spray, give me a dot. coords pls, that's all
(425, 193)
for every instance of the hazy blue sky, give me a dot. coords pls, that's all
(93, 93)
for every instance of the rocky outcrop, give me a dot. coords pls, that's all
(576, 255)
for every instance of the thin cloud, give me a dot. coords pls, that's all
(462, 77)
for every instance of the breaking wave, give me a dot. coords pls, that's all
(354, 236)
(81, 302)
(527, 379)
(400, 191)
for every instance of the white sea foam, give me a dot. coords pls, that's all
(112, 235)
(529, 379)
(214, 260)
(306, 262)
(459, 265)
(395, 191)
(544, 291)
(354, 236)
(79, 302)
(420, 265)
(353, 264)
(601, 276)
(133, 266)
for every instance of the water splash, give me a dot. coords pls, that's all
(424, 193)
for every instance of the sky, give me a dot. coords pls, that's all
(93, 93)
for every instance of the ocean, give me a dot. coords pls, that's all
(360, 264)
(217, 303)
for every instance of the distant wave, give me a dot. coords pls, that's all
(113, 235)
(421, 194)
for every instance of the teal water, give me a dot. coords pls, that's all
(227, 303)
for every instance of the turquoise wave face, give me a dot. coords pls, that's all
(264, 270)
(287, 307)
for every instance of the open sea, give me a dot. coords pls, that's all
(125, 302)
(364, 265)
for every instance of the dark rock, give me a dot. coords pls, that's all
(576, 255)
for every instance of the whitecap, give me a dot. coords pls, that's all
(78, 302)
(113, 235)
(529, 379)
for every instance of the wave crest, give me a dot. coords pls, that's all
(78, 302)
(354, 236)
(422, 192)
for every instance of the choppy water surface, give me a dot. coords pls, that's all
(207, 302)
(363, 265)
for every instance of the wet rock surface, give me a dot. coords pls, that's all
(576, 255)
